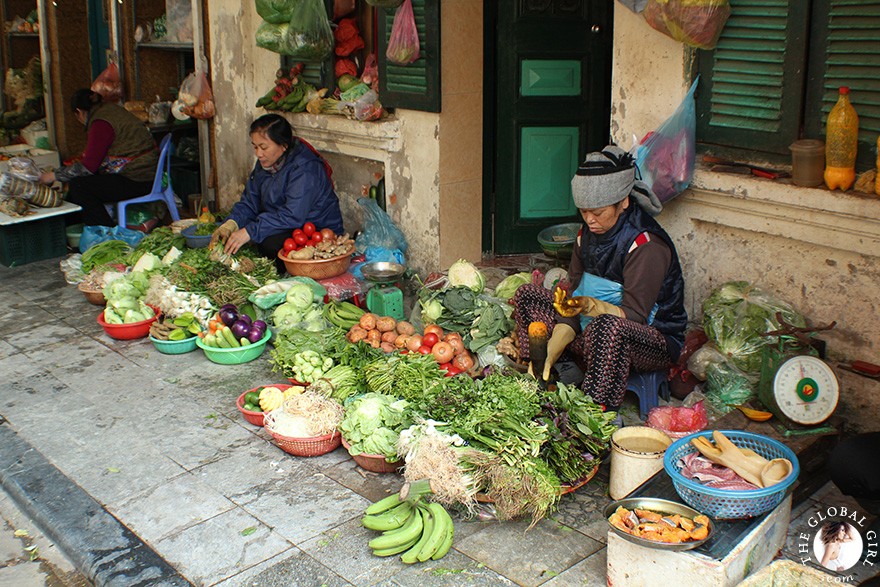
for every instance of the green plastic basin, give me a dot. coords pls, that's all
(235, 356)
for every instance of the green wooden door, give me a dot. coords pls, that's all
(549, 104)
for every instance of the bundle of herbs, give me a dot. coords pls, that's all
(408, 376)
(481, 321)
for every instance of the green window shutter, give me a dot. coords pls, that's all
(846, 39)
(415, 86)
(751, 84)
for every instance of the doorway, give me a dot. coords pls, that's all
(547, 102)
(99, 35)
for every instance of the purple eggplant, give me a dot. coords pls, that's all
(228, 317)
(255, 334)
(228, 307)
(260, 324)
(245, 318)
(240, 328)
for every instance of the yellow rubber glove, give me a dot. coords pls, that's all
(561, 337)
(744, 462)
(586, 305)
(223, 232)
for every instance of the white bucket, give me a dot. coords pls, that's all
(636, 454)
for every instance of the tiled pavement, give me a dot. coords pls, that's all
(157, 440)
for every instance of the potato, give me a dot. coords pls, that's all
(386, 324)
(368, 321)
(387, 347)
(404, 327)
(389, 336)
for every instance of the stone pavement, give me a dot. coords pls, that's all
(196, 494)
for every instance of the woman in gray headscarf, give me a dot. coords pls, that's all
(627, 308)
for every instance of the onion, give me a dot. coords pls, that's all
(240, 328)
(228, 317)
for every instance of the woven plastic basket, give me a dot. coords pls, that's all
(93, 296)
(725, 504)
(307, 447)
(374, 463)
(317, 268)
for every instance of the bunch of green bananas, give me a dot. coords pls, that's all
(415, 530)
(342, 314)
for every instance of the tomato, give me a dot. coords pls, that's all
(289, 245)
(424, 350)
(445, 366)
(452, 370)
(309, 228)
(327, 234)
(429, 340)
(301, 239)
(317, 237)
(296, 232)
(435, 329)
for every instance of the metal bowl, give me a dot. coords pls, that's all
(661, 506)
(383, 271)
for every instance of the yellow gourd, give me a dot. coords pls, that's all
(841, 143)
(755, 415)
(270, 398)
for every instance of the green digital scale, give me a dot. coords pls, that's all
(384, 298)
(798, 387)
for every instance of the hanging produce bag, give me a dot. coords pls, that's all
(403, 45)
(697, 23)
(276, 11)
(274, 37)
(108, 84)
(666, 157)
(309, 37)
(196, 95)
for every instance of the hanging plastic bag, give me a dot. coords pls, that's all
(666, 157)
(309, 36)
(379, 229)
(273, 37)
(108, 84)
(196, 96)
(276, 11)
(403, 45)
(92, 235)
(636, 6)
(697, 23)
(370, 75)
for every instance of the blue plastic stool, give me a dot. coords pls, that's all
(649, 386)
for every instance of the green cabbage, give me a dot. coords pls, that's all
(465, 273)
(508, 286)
(373, 422)
(299, 296)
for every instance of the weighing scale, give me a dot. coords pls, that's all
(384, 298)
(797, 387)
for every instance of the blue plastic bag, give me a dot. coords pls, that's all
(379, 230)
(666, 157)
(604, 290)
(92, 235)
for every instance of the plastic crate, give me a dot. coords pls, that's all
(26, 242)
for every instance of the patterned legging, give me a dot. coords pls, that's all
(606, 349)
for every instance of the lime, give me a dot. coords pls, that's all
(250, 407)
(252, 397)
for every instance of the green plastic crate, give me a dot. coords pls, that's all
(26, 242)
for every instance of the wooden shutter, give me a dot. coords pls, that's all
(751, 84)
(415, 86)
(846, 41)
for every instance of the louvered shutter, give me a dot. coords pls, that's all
(750, 94)
(415, 86)
(847, 53)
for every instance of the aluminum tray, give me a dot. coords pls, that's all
(661, 506)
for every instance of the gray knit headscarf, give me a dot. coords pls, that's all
(607, 177)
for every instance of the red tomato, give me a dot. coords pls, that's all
(445, 365)
(452, 370)
(301, 239)
(317, 237)
(327, 234)
(429, 340)
(424, 350)
(289, 245)
(296, 232)
(309, 228)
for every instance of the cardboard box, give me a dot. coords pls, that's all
(43, 158)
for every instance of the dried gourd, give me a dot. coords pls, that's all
(270, 398)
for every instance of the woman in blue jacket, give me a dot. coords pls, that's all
(290, 185)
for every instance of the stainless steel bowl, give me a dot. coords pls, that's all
(383, 271)
(661, 506)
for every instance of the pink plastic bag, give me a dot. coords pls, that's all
(678, 422)
(403, 45)
(108, 84)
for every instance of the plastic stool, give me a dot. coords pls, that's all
(649, 386)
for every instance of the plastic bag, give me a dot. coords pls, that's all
(24, 168)
(403, 44)
(276, 11)
(309, 36)
(367, 107)
(108, 84)
(35, 193)
(370, 75)
(697, 23)
(666, 157)
(636, 6)
(196, 95)
(377, 255)
(735, 316)
(677, 422)
(273, 37)
(92, 235)
(379, 230)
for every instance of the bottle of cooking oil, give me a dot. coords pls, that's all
(841, 143)
(206, 217)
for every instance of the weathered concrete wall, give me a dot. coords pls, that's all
(814, 248)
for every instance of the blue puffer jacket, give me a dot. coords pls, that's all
(299, 192)
(605, 255)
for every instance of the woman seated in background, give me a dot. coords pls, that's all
(119, 161)
(289, 186)
(628, 306)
